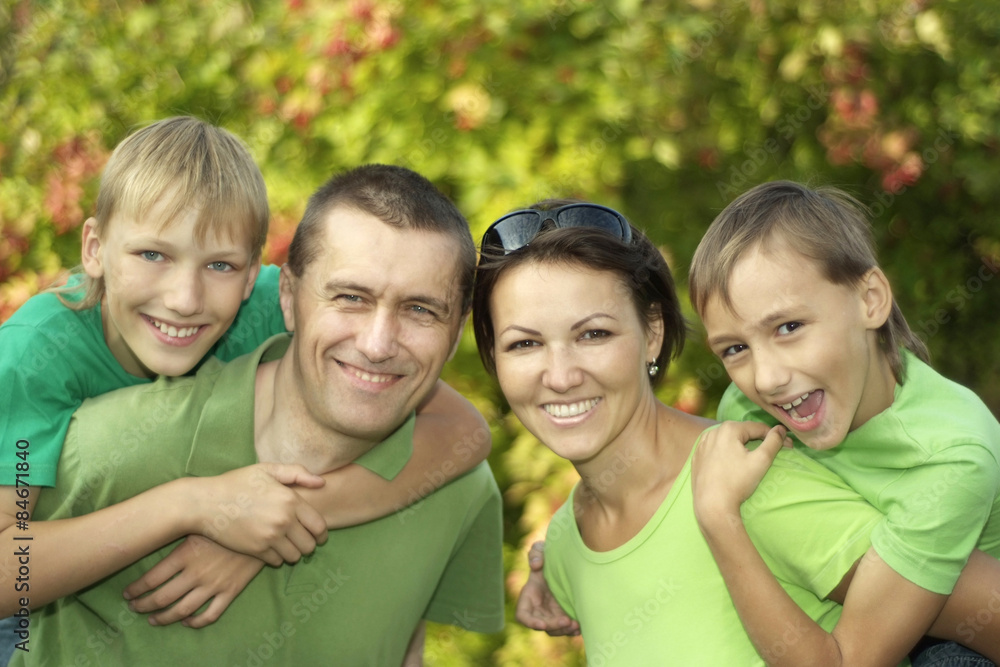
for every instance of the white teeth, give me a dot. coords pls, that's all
(368, 377)
(174, 332)
(797, 402)
(571, 410)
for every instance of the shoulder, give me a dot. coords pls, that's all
(161, 406)
(939, 416)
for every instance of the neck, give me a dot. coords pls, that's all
(642, 460)
(286, 432)
(880, 388)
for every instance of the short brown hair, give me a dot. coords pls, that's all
(398, 197)
(827, 225)
(639, 264)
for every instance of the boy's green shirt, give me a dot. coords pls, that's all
(52, 358)
(930, 463)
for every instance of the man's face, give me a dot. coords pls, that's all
(375, 316)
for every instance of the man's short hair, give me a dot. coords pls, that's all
(397, 196)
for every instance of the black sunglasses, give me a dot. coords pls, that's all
(516, 230)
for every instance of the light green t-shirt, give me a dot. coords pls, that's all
(355, 601)
(930, 463)
(660, 599)
(52, 358)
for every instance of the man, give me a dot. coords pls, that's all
(376, 291)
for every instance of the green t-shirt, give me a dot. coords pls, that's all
(930, 463)
(52, 358)
(355, 601)
(659, 598)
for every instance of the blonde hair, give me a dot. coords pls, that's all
(827, 225)
(180, 162)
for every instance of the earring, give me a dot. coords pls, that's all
(652, 368)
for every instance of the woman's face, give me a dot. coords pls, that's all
(571, 354)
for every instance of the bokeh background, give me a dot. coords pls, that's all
(663, 109)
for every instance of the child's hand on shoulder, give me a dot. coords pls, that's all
(724, 473)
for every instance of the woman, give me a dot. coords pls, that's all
(576, 314)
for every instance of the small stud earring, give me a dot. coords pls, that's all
(652, 368)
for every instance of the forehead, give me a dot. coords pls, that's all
(399, 262)
(559, 294)
(767, 281)
(172, 217)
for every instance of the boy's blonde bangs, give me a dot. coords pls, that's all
(174, 164)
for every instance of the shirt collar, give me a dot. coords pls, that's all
(224, 437)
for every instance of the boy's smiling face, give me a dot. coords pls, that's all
(801, 347)
(168, 297)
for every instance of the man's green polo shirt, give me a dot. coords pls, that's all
(354, 601)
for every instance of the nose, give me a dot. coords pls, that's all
(185, 293)
(378, 337)
(772, 372)
(562, 371)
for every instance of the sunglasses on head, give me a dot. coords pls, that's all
(516, 230)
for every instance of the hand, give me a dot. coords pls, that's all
(252, 511)
(536, 606)
(724, 473)
(204, 571)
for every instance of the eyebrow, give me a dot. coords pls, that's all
(153, 241)
(588, 318)
(574, 327)
(765, 322)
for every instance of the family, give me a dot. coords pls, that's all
(229, 452)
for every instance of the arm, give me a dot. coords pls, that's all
(870, 631)
(450, 438)
(274, 525)
(415, 651)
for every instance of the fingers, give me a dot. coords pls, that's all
(159, 574)
(536, 556)
(775, 439)
(211, 614)
(310, 518)
(293, 473)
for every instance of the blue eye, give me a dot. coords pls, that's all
(221, 266)
(151, 255)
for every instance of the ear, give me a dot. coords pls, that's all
(458, 336)
(286, 289)
(654, 339)
(251, 278)
(90, 250)
(876, 295)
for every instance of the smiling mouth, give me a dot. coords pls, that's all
(365, 376)
(803, 408)
(172, 331)
(570, 409)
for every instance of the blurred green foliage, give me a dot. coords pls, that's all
(664, 109)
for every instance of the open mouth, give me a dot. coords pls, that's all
(803, 408)
(173, 332)
(365, 376)
(570, 409)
